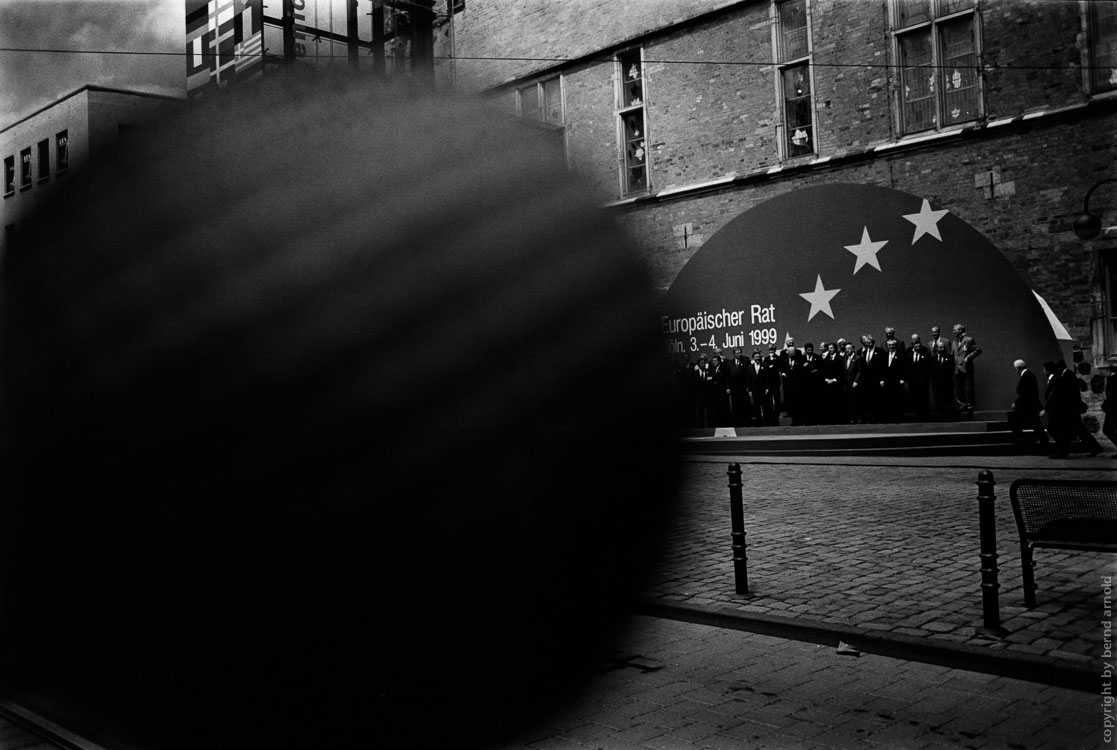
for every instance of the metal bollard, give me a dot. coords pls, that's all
(988, 526)
(737, 516)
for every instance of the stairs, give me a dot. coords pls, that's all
(987, 434)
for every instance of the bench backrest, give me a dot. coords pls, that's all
(1037, 503)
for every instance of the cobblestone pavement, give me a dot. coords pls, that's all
(682, 685)
(885, 546)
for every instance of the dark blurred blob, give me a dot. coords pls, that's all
(334, 413)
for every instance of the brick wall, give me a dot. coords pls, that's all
(713, 112)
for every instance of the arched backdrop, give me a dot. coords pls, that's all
(840, 260)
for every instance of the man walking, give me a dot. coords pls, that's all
(1064, 413)
(1027, 406)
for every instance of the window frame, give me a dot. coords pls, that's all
(540, 89)
(1091, 22)
(629, 110)
(1108, 261)
(785, 62)
(25, 169)
(939, 16)
(62, 151)
(9, 174)
(44, 159)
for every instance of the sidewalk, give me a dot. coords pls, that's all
(883, 553)
(681, 686)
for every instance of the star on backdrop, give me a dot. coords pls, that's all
(926, 221)
(866, 251)
(819, 299)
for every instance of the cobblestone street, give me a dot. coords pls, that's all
(682, 686)
(886, 548)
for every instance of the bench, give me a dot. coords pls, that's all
(1076, 514)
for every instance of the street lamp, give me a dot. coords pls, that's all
(1088, 225)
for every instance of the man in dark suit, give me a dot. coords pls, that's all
(811, 385)
(739, 406)
(893, 379)
(772, 359)
(1027, 406)
(890, 335)
(1064, 413)
(871, 389)
(703, 375)
(719, 391)
(832, 399)
(853, 368)
(763, 382)
(919, 360)
(791, 378)
(942, 383)
(936, 339)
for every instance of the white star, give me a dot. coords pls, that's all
(866, 252)
(926, 221)
(819, 299)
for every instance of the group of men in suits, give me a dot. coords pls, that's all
(840, 383)
(1063, 406)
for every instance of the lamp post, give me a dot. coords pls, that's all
(1088, 225)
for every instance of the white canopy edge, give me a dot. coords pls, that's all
(1061, 332)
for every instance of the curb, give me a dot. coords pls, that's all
(45, 728)
(1041, 669)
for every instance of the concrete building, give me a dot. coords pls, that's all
(687, 113)
(40, 150)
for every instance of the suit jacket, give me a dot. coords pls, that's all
(853, 369)
(833, 368)
(894, 369)
(920, 361)
(965, 351)
(1027, 393)
(901, 347)
(942, 372)
(1065, 399)
(762, 382)
(874, 366)
(786, 355)
(739, 374)
(945, 342)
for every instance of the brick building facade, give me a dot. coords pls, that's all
(684, 114)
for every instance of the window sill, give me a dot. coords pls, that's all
(25, 188)
(9, 194)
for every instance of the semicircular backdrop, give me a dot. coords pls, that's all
(841, 260)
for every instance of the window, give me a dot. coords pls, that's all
(632, 122)
(25, 168)
(9, 174)
(1103, 46)
(794, 65)
(1109, 279)
(44, 159)
(542, 101)
(454, 6)
(936, 46)
(61, 151)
